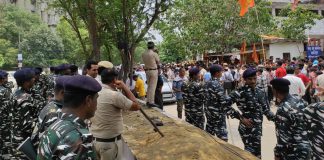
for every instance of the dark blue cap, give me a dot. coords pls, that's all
(59, 81)
(38, 70)
(215, 68)
(62, 67)
(23, 75)
(280, 84)
(81, 84)
(3, 74)
(250, 72)
(194, 71)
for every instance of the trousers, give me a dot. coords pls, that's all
(152, 77)
(109, 150)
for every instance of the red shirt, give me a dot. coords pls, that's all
(304, 78)
(281, 72)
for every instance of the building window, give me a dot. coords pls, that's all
(314, 11)
(277, 11)
(286, 56)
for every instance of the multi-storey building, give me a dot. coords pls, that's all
(40, 7)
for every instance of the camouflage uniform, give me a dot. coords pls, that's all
(39, 92)
(193, 96)
(314, 117)
(23, 119)
(47, 116)
(292, 140)
(251, 102)
(217, 105)
(5, 123)
(67, 138)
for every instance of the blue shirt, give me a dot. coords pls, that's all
(177, 83)
(207, 76)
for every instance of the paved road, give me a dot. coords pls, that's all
(268, 139)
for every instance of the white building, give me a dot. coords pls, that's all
(316, 6)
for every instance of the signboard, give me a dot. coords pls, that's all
(314, 51)
(20, 58)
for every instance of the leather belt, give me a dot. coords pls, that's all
(108, 140)
(150, 69)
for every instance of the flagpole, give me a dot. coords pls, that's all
(257, 15)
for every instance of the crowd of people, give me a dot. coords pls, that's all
(72, 116)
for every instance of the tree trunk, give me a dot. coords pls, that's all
(93, 31)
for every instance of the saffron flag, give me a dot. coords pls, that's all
(255, 55)
(245, 5)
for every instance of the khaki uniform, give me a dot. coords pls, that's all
(150, 59)
(107, 123)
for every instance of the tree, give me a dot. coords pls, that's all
(38, 44)
(41, 47)
(295, 23)
(8, 54)
(121, 24)
(213, 25)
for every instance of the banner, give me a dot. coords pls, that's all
(314, 51)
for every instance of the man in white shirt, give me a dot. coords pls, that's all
(227, 80)
(297, 86)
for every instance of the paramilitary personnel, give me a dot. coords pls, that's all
(292, 139)
(217, 105)
(39, 89)
(48, 115)
(193, 96)
(5, 124)
(314, 116)
(251, 102)
(23, 109)
(68, 137)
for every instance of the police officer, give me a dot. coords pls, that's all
(252, 104)
(292, 138)
(5, 94)
(49, 113)
(217, 105)
(193, 97)
(151, 60)
(314, 117)
(23, 109)
(68, 137)
(107, 123)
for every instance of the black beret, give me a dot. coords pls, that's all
(250, 72)
(81, 84)
(59, 81)
(38, 70)
(63, 67)
(279, 82)
(215, 68)
(194, 71)
(3, 74)
(25, 74)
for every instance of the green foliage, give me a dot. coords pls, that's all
(295, 23)
(39, 45)
(7, 53)
(73, 52)
(192, 27)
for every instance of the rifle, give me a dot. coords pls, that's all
(28, 149)
(156, 129)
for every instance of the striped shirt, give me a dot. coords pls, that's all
(297, 86)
